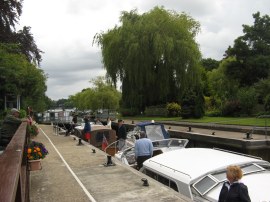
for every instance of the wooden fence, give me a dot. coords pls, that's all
(14, 175)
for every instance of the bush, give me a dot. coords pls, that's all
(267, 103)
(248, 100)
(129, 112)
(231, 108)
(186, 112)
(159, 110)
(192, 104)
(173, 109)
(213, 113)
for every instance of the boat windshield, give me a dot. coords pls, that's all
(172, 142)
(154, 132)
(209, 181)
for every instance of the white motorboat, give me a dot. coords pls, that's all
(199, 173)
(157, 134)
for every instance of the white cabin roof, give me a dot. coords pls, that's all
(192, 163)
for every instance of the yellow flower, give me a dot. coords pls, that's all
(29, 150)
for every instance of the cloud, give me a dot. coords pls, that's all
(64, 30)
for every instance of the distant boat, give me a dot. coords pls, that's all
(199, 173)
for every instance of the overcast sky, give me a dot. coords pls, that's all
(64, 30)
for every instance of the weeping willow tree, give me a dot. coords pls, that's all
(154, 55)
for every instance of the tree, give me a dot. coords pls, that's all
(154, 55)
(192, 104)
(248, 99)
(102, 96)
(28, 45)
(252, 52)
(209, 64)
(262, 88)
(20, 77)
(222, 87)
(10, 12)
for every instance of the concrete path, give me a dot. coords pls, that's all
(74, 173)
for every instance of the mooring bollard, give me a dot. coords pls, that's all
(80, 142)
(248, 136)
(145, 182)
(189, 129)
(109, 161)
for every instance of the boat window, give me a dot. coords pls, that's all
(204, 185)
(251, 168)
(99, 136)
(266, 166)
(220, 176)
(163, 180)
(173, 185)
(151, 174)
(178, 143)
(154, 132)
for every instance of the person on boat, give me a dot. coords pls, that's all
(87, 129)
(121, 135)
(109, 123)
(71, 126)
(98, 122)
(233, 190)
(143, 149)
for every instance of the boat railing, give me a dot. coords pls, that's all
(174, 170)
(114, 144)
(14, 181)
(111, 146)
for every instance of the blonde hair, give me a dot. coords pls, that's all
(235, 172)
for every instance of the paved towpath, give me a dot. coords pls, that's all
(73, 173)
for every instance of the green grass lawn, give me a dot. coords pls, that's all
(247, 121)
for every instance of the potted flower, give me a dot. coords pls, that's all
(32, 130)
(35, 152)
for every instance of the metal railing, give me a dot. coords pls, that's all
(14, 181)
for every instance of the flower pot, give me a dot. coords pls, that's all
(34, 165)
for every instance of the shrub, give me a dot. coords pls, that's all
(193, 104)
(129, 112)
(173, 109)
(248, 100)
(231, 108)
(213, 113)
(159, 110)
(267, 103)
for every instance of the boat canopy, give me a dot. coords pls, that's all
(154, 131)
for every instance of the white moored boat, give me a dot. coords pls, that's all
(157, 134)
(199, 173)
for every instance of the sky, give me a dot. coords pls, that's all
(64, 31)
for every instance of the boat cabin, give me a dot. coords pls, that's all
(98, 132)
(199, 173)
